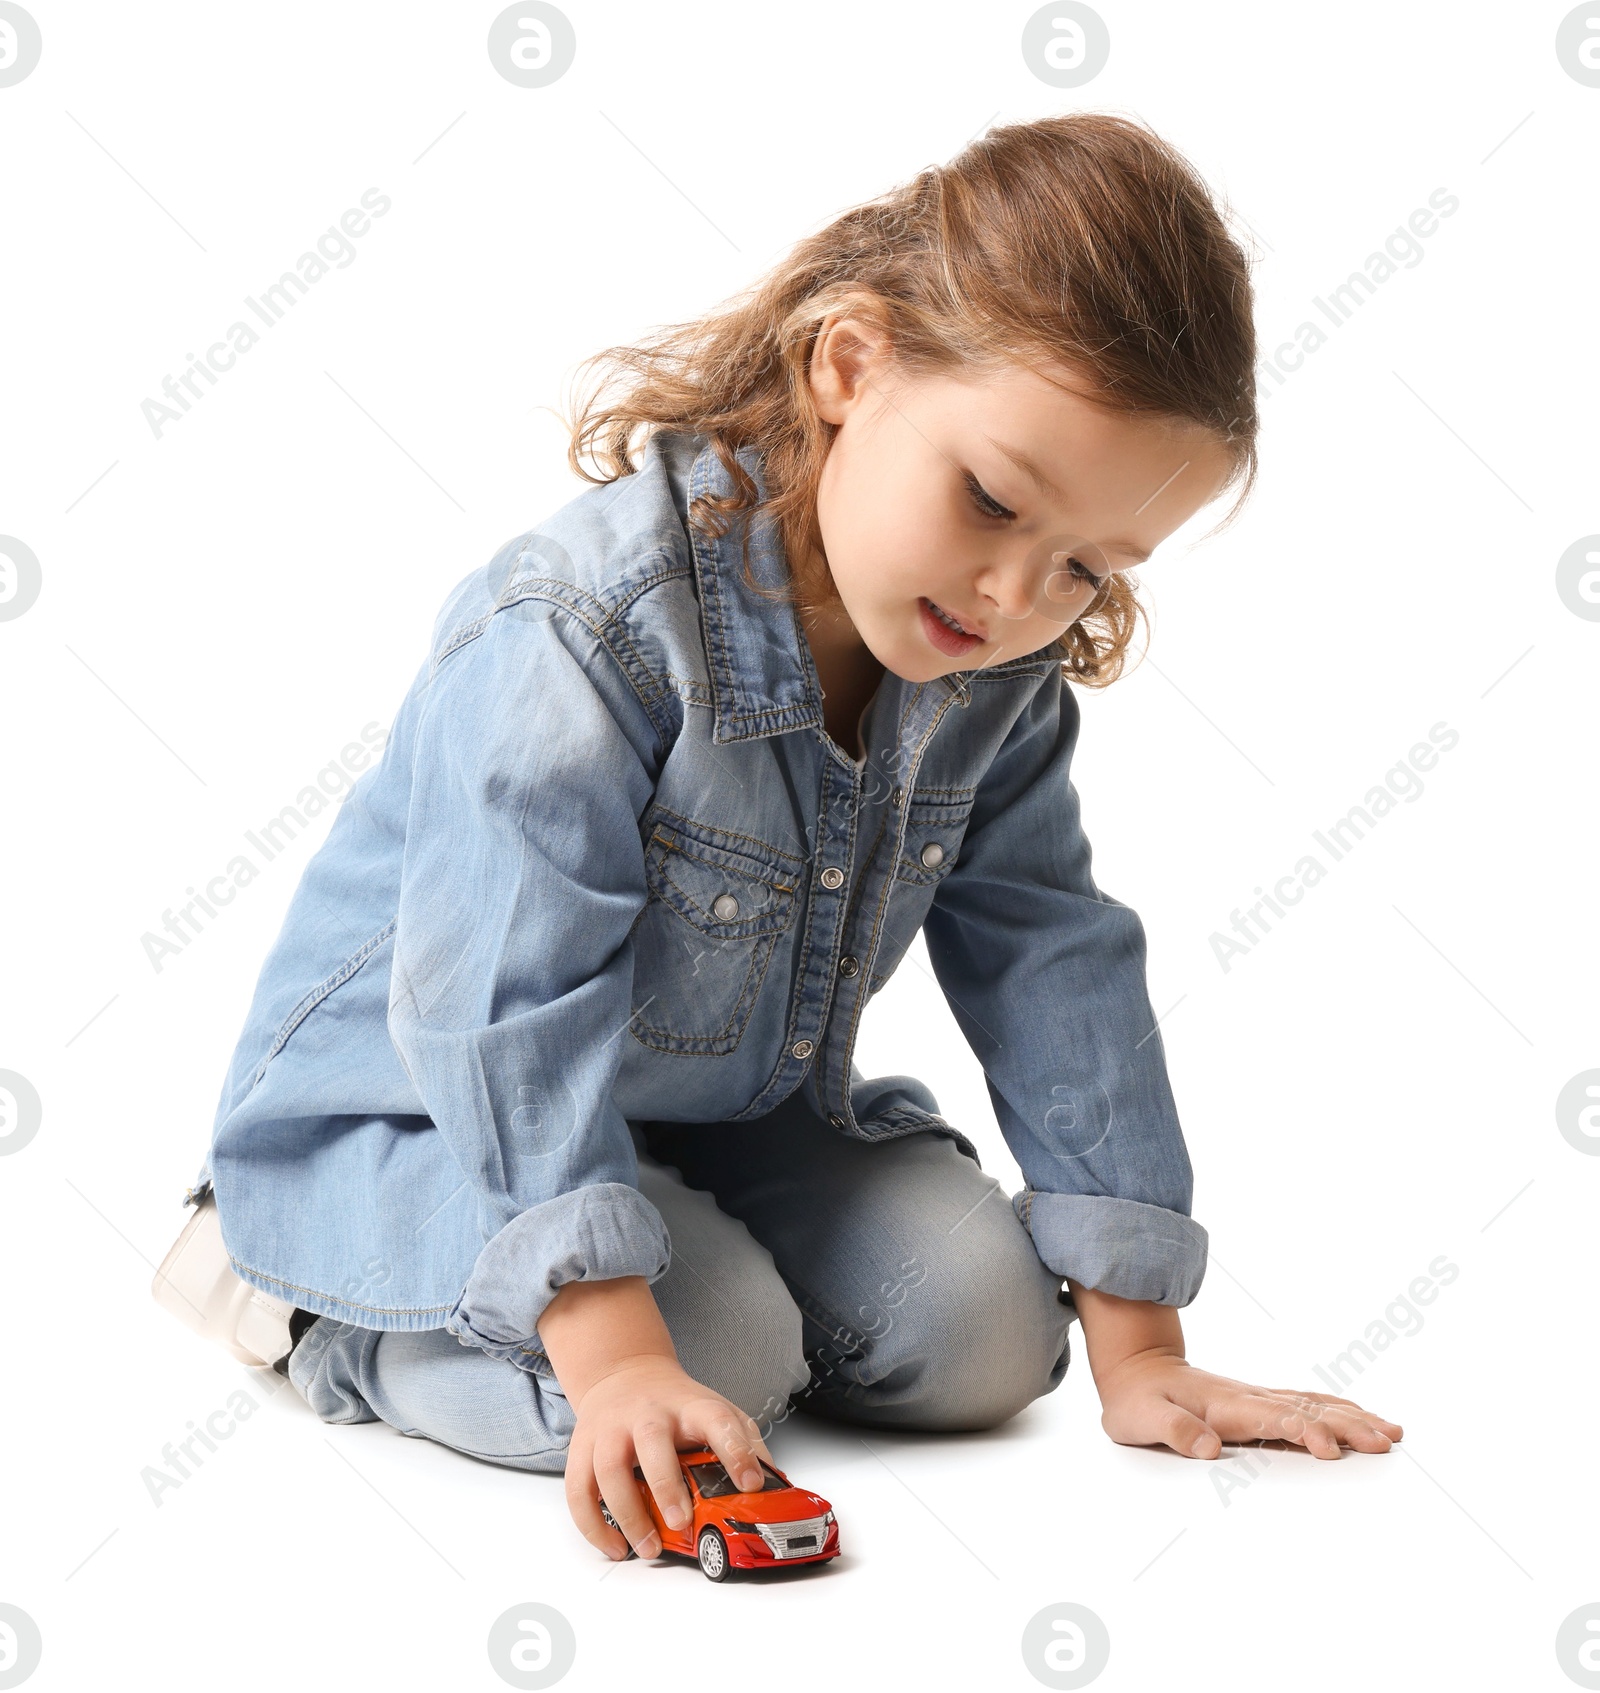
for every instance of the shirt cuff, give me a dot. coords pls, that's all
(591, 1233)
(1117, 1246)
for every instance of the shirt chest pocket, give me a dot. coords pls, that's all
(935, 823)
(718, 904)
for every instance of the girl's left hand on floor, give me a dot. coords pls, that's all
(1160, 1400)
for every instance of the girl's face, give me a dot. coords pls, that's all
(928, 517)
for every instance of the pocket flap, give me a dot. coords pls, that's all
(726, 892)
(935, 825)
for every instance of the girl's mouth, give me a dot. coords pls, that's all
(945, 632)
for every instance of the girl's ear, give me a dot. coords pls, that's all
(848, 359)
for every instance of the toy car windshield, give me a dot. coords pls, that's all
(714, 1481)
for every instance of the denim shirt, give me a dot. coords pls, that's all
(611, 868)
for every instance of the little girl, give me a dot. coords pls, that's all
(544, 1137)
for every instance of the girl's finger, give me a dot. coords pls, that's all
(1307, 1420)
(1354, 1427)
(583, 1502)
(1364, 1437)
(1309, 1431)
(735, 1439)
(1393, 1430)
(663, 1473)
(613, 1470)
(752, 1431)
(1359, 1430)
(1187, 1434)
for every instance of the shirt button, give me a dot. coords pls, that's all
(832, 877)
(835, 1119)
(849, 965)
(725, 906)
(802, 1049)
(932, 854)
(894, 800)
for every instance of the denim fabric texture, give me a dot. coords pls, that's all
(886, 1284)
(611, 869)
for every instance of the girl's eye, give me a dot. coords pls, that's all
(991, 507)
(985, 502)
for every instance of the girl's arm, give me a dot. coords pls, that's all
(1151, 1396)
(1045, 974)
(532, 758)
(614, 1358)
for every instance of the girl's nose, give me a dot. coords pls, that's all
(1044, 581)
(1016, 602)
(1036, 586)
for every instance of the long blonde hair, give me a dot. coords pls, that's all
(1082, 240)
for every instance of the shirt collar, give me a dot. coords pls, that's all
(762, 682)
(763, 679)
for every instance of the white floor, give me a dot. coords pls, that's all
(322, 1557)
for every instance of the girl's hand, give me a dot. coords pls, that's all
(643, 1411)
(1156, 1399)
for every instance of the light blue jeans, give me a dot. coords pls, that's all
(888, 1284)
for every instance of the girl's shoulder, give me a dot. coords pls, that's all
(597, 553)
(616, 561)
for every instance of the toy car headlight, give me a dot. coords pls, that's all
(740, 1527)
(828, 1517)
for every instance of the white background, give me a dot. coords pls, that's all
(1371, 1087)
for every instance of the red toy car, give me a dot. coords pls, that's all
(732, 1530)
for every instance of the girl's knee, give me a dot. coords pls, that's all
(984, 1361)
(426, 1383)
(734, 1324)
(975, 1337)
(750, 1349)
(328, 1366)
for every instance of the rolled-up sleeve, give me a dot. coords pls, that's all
(522, 875)
(1046, 976)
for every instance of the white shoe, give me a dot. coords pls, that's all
(197, 1284)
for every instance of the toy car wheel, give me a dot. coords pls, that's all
(611, 1522)
(713, 1553)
